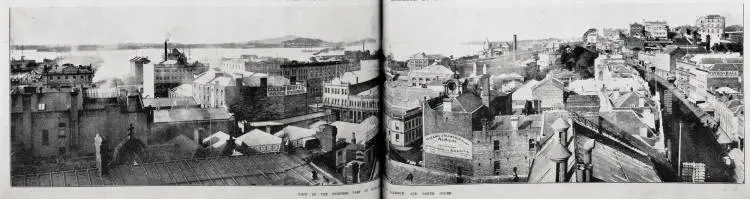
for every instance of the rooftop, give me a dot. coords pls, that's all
(363, 132)
(293, 132)
(169, 102)
(257, 137)
(190, 115)
(262, 169)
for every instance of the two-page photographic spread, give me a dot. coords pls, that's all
(376, 99)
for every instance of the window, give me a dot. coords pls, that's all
(531, 144)
(496, 145)
(45, 137)
(41, 107)
(397, 137)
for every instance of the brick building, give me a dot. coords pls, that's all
(67, 75)
(48, 122)
(314, 74)
(462, 135)
(173, 71)
(270, 103)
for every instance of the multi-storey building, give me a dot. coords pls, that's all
(417, 61)
(729, 110)
(708, 72)
(427, 74)
(711, 28)
(174, 71)
(354, 96)
(656, 29)
(62, 122)
(659, 62)
(636, 30)
(404, 113)
(49, 122)
(271, 102)
(209, 87)
(313, 74)
(464, 137)
(67, 75)
(234, 64)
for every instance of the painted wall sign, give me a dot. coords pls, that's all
(447, 145)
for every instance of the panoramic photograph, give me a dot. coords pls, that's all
(217, 96)
(561, 93)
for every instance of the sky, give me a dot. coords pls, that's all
(110, 25)
(458, 23)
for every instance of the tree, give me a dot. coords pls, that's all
(532, 72)
(733, 28)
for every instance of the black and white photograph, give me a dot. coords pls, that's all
(566, 92)
(365, 99)
(214, 96)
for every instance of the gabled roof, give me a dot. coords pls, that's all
(433, 69)
(217, 139)
(293, 132)
(549, 80)
(257, 137)
(626, 100)
(467, 102)
(183, 143)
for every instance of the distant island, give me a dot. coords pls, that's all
(287, 41)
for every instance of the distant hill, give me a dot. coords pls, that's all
(275, 40)
(286, 41)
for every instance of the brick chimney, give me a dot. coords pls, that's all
(165, 50)
(354, 138)
(514, 129)
(196, 136)
(327, 137)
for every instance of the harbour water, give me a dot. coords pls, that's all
(115, 63)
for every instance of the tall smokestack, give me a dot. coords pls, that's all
(165, 49)
(515, 47)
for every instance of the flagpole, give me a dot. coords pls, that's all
(679, 152)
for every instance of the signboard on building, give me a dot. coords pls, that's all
(447, 144)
